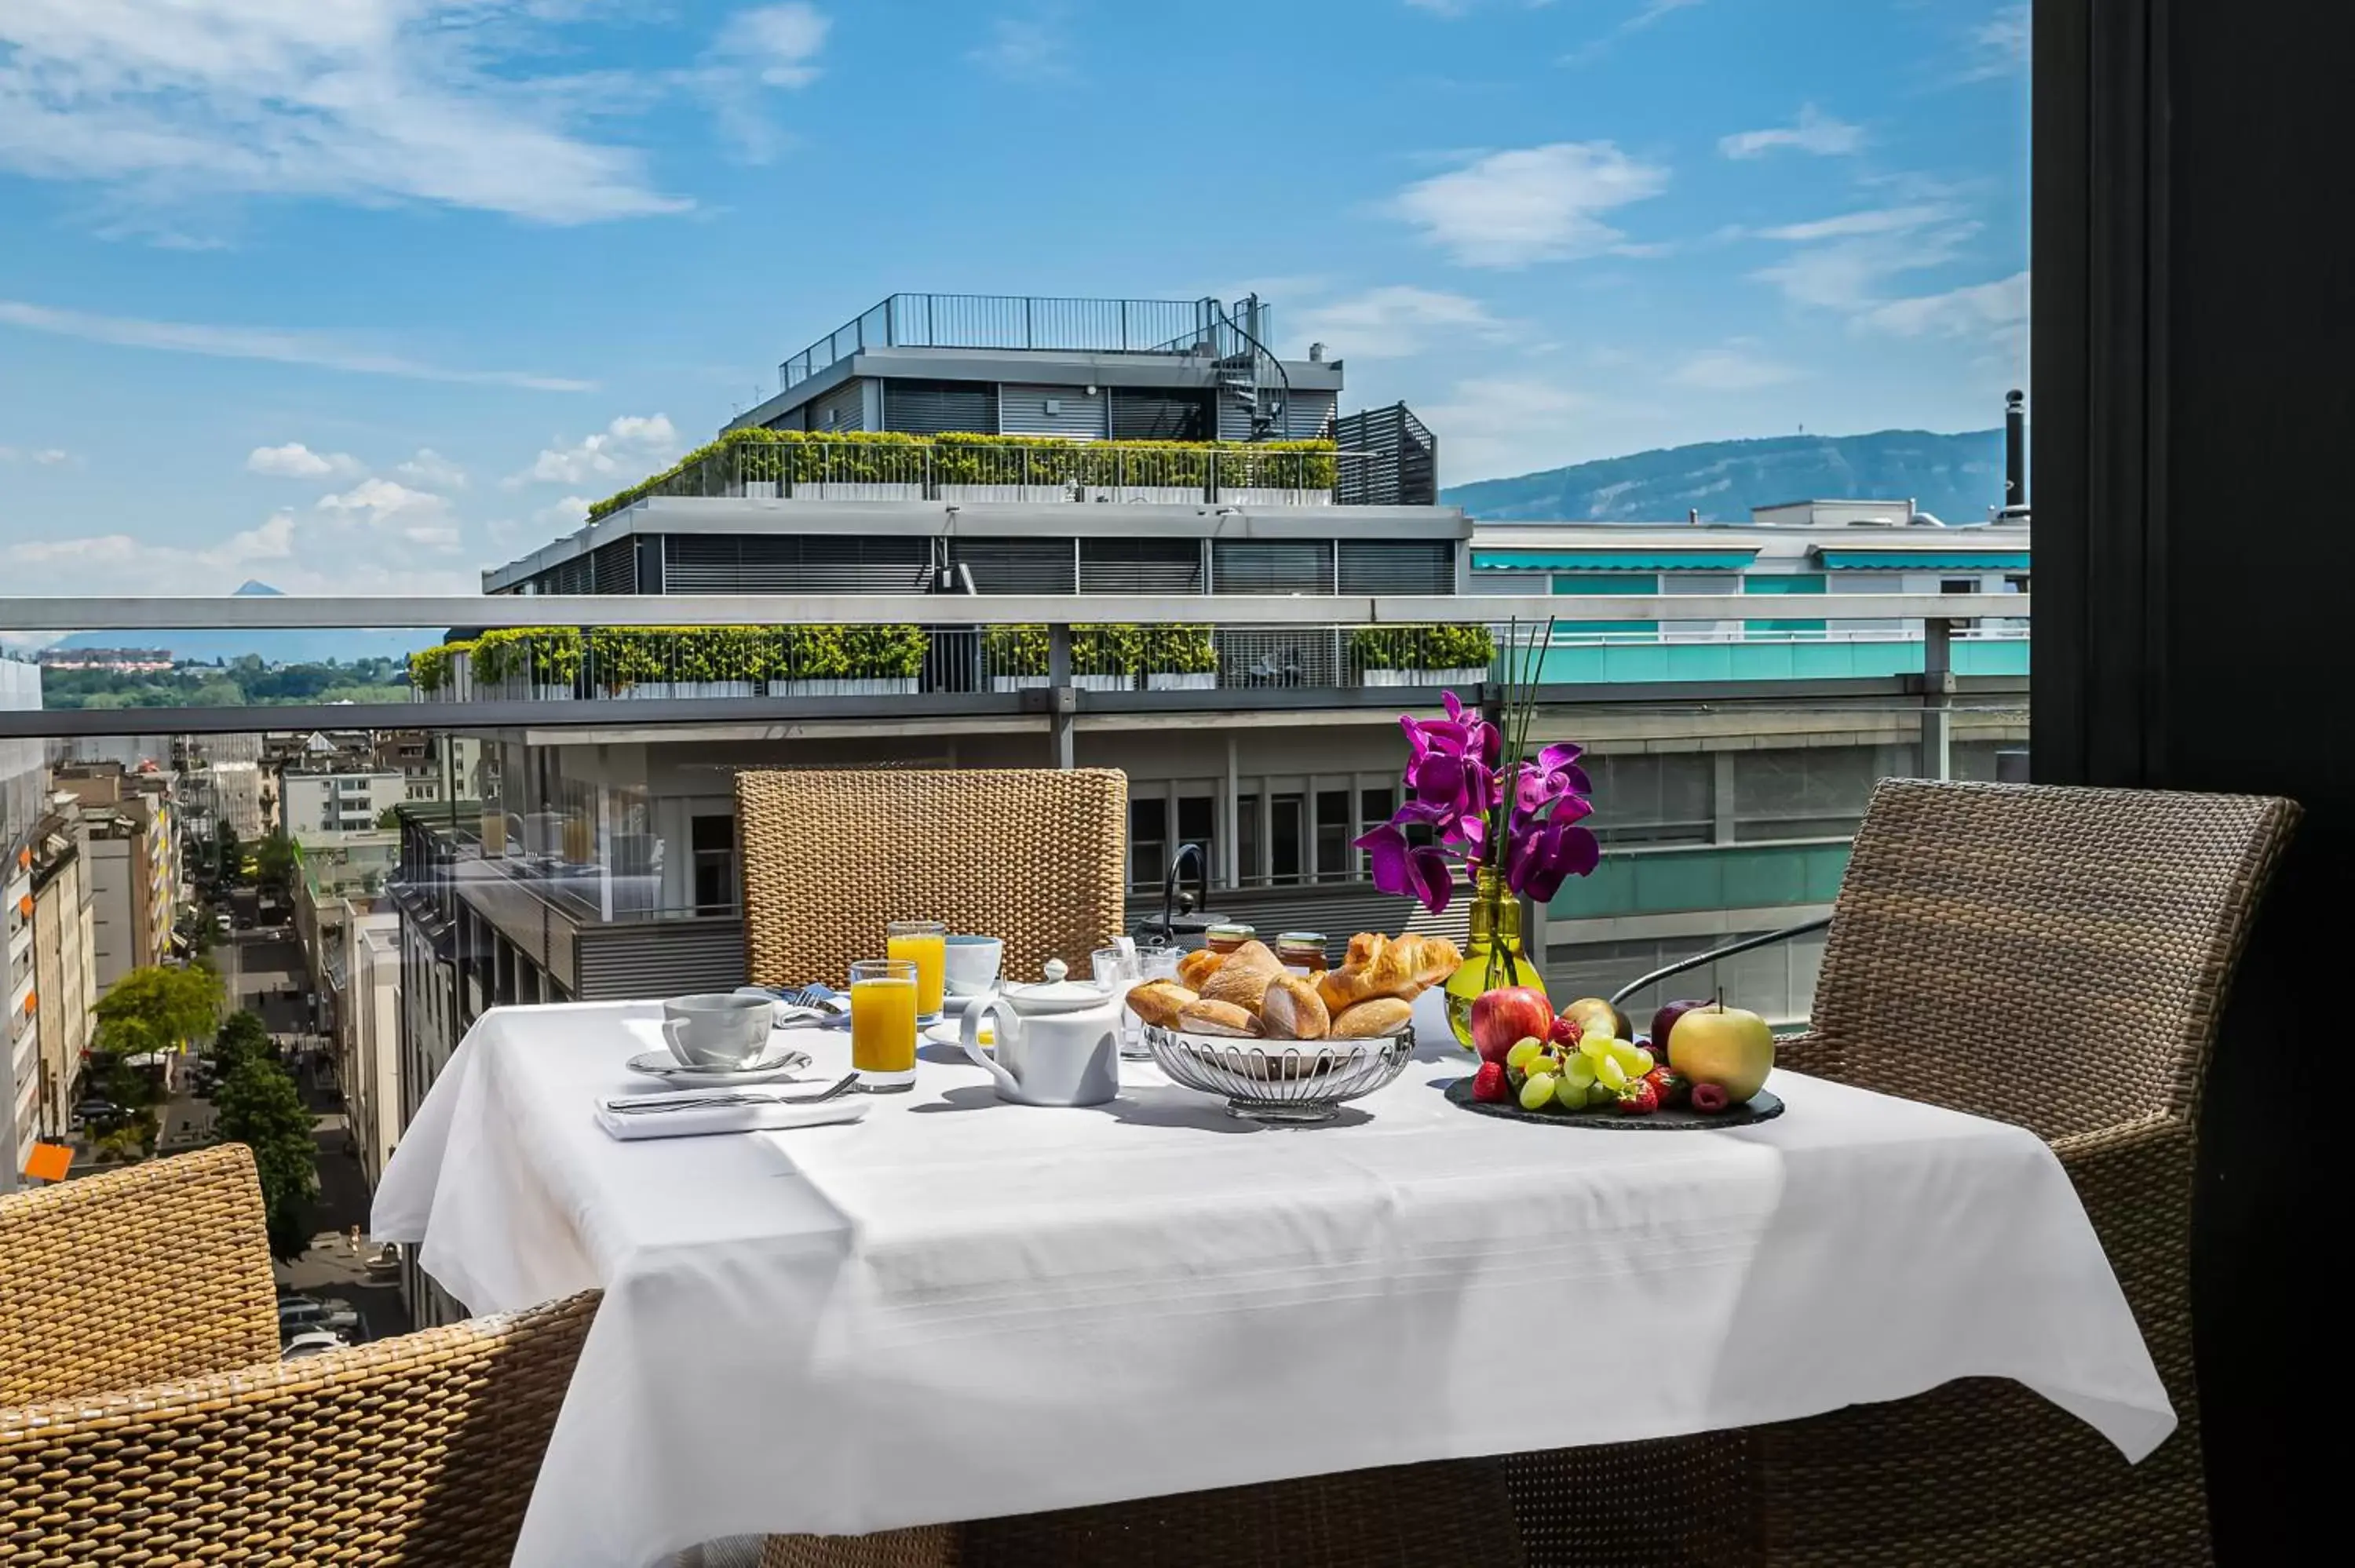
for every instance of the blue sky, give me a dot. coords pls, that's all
(356, 295)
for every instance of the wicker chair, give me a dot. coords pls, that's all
(1038, 858)
(1447, 1515)
(2110, 921)
(146, 1419)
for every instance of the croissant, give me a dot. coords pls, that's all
(1400, 967)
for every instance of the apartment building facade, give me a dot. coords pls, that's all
(21, 767)
(313, 803)
(64, 977)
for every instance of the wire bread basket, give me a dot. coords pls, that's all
(1280, 1081)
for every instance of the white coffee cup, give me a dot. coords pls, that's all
(721, 1029)
(971, 963)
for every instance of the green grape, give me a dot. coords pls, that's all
(1580, 1073)
(1625, 1055)
(1644, 1063)
(1538, 1092)
(1610, 1074)
(1601, 1095)
(1595, 1047)
(1524, 1050)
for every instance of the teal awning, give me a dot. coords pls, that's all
(1652, 560)
(1962, 559)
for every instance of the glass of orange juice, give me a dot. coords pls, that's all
(923, 943)
(883, 1024)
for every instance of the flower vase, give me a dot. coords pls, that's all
(1493, 959)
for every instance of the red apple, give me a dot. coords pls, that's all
(1502, 1018)
(1666, 1020)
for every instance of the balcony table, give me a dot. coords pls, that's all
(959, 1309)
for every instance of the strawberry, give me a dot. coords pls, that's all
(1709, 1098)
(1641, 1097)
(1488, 1083)
(1674, 1088)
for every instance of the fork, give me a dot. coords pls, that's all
(729, 1098)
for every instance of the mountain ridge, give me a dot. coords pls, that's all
(1955, 477)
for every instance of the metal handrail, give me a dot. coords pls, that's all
(374, 611)
(986, 321)
(1670, 971)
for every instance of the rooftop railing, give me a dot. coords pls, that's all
(1008, 322)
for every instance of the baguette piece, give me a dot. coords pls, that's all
(1224, 1018)
(1432, 958)
(1159, 1001)
(1391, 973)
(1292, 1009)
(1377, 1019)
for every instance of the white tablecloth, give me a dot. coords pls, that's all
(957, 1309)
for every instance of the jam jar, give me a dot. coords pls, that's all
(1227, 935)
(1302, 950)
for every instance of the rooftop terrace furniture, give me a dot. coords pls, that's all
(830, 857)
(145, 1418)
(2057, 958)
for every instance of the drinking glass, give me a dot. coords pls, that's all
(923, 943)
(883, 1024)
(1150, 964)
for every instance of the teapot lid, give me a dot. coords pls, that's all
(1057, 994)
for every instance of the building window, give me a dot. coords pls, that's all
(1148, 841)
(712, 840)
(1284, 836)
(1197, 819)
(1334, 831)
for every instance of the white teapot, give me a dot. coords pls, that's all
(1056, 1044)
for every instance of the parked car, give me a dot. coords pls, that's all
(99, 1114)
(301, 1314)
(311, 1342)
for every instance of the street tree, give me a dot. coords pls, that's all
(261, 1107)
(274, 859)
(159, 1008)
(243, 1038)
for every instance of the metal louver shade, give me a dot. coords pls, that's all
(1271, 567)
(793, 563)
(1140, 566)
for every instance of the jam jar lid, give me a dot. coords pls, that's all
(1235, 929)
(1301, 939)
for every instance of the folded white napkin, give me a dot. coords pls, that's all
(766, 1116)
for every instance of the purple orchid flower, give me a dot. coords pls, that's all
(1454, 780)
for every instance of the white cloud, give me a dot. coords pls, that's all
(1505, 425)
(430, 467)
(1730, 369)
(1033, 49)
(260, 343)
(43, 457)
(1530, 203)
(561, 517)
(779, 41)
(631, 447)
(1642, 16)
(1976, 310)
(1845, 264)
(372, 102)
(295, 461)
(1387, 322)
(2000, 47)
(384, 505)
(1814, 132)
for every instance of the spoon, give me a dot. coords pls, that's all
(733, 1098)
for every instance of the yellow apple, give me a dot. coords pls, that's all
(1723, 1045)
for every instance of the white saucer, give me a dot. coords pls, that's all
(945, 1033)
(951, 1002)
(664, 1065)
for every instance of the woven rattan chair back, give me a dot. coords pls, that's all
(1979, 923)
(1038, 858)
(132, 1276)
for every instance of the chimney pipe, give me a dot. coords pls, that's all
(1316, 354)
(2015, 455)
(1692, 516)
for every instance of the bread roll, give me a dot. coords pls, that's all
(1199, 966)
(1242, 984)
(1292, 1009)
(1207, 1017)
(1381, 1017)
(1254, 955)
(1159, 1001)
